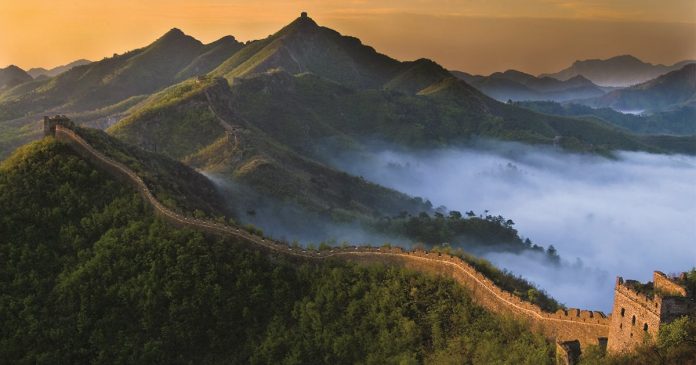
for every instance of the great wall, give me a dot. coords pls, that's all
(572, 329)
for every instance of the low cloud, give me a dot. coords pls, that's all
(626, 216)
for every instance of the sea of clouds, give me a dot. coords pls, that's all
(625, 216)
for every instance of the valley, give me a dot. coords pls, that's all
(303, 198)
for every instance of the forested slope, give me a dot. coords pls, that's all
(92, 276)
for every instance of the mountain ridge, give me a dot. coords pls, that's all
(519, 86)
(37, 72)
(622, 70)
(672, 90)
(12, 76)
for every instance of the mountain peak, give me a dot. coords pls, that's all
(174, 33)
(303, 23)
(14, 68)
(626, 58)
(177, 38)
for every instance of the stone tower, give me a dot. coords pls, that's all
(640, 309)
(51, 122)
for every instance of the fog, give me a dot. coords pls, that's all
(291, 223)
(626, 216)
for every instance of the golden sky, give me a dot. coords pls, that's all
(478, 36)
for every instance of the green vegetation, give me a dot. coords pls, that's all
(90, 276)
(445, 113)
(675, 345)
(662, 93)
(475, 230)
(690, 283)
(174, 184)
(12, 76)
(195, 128)
(676, 341)
(678, 122)
(506, 280)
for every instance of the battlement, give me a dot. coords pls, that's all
(50, 124)
(668, 286)
(640, 309)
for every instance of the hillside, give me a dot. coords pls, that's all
(303, 46)
(447, 112)
(12, 76)
(664, 92)
(99, 93)
(212, 55)
(681, 121)
(280, 170)
(519, 86)
(620, 71)
(115, 79)
(42, 72)
(94, 277)
(192, 122)
(414, 103)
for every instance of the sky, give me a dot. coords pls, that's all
(477, 36)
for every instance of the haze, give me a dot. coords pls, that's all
(625, 217)
(476, 36)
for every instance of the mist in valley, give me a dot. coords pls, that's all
(625, 216)
(290, 222)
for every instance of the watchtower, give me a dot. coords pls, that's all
(50, 124)
(640, 309)
(303, 15)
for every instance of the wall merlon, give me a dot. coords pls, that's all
(666, 285)
(574, 324)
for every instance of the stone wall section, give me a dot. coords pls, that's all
(588, 327)
(635, 318)
(666, 286)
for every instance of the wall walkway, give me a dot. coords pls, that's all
(588, 327)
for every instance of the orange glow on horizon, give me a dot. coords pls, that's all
(476, 36)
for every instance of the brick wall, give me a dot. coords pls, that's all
(587, 327)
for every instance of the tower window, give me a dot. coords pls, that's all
(623, 311)
(633, 320)
(645, 327)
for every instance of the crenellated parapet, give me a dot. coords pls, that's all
(640, 309)
(50, 124)
(635, 314)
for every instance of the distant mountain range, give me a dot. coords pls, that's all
(269, 116)
(676, 121)
(303, 46)
(668, 91)
(12, 76)
(42, 72)
(172, 58)
(302, 85)
(516, 86)
(619, 71)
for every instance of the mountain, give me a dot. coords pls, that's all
(668, 91)
(680, 121)
(99, 93)
(169, 59)
(12, 76)
(519, 86)
(212, 55)
(39, 71)
(274, 133)
(303, 46)
(193, 122)
(620, 71)
(91, 275)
